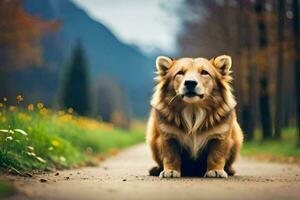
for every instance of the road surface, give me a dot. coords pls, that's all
(125, 177)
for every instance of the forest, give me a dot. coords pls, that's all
(262, 36)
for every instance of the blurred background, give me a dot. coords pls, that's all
(97, 57)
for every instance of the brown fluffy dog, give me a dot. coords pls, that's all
(192, 129)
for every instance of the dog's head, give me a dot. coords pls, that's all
(193, 80)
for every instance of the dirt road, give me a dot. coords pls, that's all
(125, 177)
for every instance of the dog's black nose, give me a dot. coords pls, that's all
(190, 84)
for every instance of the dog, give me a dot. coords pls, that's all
(192, 129)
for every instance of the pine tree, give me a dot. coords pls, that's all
(76, 84)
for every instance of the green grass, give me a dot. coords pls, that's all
(286, 147)
(56, 141)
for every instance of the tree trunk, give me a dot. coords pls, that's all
(280, 65)
(249, 105)
(239, 61)
(296, 21)
(265, 115)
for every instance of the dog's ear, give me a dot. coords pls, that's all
(223, 64)
(163, 64)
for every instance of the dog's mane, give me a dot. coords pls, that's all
(218, 107)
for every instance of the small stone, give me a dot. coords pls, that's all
(29, 174)
(56, 174)
(124, 179)
(43, 180)
(67, 178)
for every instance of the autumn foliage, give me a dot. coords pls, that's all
(20, 37)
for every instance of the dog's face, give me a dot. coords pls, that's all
(193, 80)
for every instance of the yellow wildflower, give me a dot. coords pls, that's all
(61, 112)
(55, 143)
(30, 107)
(19, 98)
(4, 99)
(29, 129)
(1, 105)
(65, 118)
(70, 110)
(12, 108)
(44, 111)
(22, 116)
(40, 105)
(3, 119)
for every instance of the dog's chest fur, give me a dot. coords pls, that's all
(193, 139)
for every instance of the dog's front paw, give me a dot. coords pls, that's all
(168, 173)
(215, 173)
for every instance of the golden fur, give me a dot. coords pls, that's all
(193, 133)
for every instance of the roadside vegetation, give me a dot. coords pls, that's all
(33, 137)
(285, 150)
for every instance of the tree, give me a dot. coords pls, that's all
(76, 84)
(280, 64)
(112, 104)
(20, 35)
(244, 54)
(249, 92)
(296, 21)
(265, 115)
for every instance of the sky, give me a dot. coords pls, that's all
(149, 24)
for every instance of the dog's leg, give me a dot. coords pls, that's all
(237, 138)
(171, 159)
(155, 171)
(218, 151)
(229, 168)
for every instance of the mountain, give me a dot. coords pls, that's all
(107, 55)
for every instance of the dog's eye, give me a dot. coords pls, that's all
(203, 72)
(181, 72)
